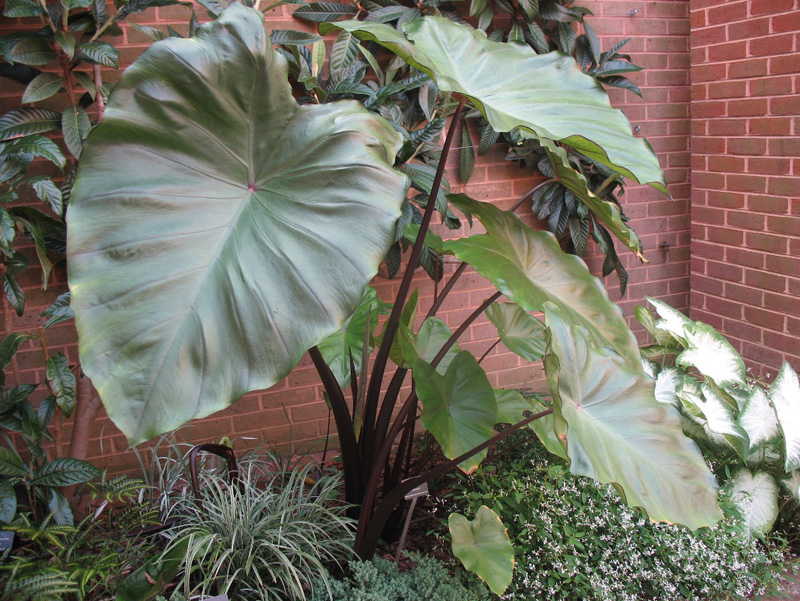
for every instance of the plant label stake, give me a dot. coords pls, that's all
(412, 495)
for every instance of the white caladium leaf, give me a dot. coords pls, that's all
(785, 396)
(792, 484)
(672, 320)
(758, 418)
(720, 420)
(712, 355)
(756, 497)
(668, 382)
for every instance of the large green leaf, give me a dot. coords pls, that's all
(785, 396)
(616, 432)
(426, 344)
(458, 408)
(338, 348)
(522, 334)
(483, 547)
(529, 267)
(212, 228)
(546, 96)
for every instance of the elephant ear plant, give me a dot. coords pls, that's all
(214, 239)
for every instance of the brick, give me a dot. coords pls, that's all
(785, 147)
(705, 145)
(771, 86)
(766, 319)
(769, 166)
(783, 64)
(764, 281)
(727, 52)
(770, 7)
(723, 271)
(768, 204)
(722, 307)
(782, 343)
(726, 164)
(761, 353)
(770, 126)
(748, 29)
(766, 242)
(782, 264)
(752, 107)
(786, 105)
(784, 186)
(710, 35)
(746, 69)
(744, 295)
(727, 127)
(745, 220)
(787, 22)
(746, 183)
(790, 226)
(726, 200)
(782, 303)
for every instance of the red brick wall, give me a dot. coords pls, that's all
(660, 44)
(746, 175)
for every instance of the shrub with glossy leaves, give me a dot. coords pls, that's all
(576, 539)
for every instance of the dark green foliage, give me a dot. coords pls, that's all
(576, 539)
(381, 580)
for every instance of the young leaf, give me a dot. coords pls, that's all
(42, 87)
(75, 124)
(26, 121)
(483, 547)
(59, 311)
(66, 41)
(520, 333)
(152, 33)
(48, 193)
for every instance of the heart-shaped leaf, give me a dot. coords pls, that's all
(529, 267)
(426, 344)
(758, 418)
(458, 408)
(756, 497)
(785, 396)
(521, 333)
(616, 432)
(213, 274)
(711, 354)
(483, 547)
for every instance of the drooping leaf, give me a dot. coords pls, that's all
(338, 348)
(59, 311)
(213, 275)
(14, 293)
(672, 320)
(38, 225)
(10, 345)
(293, 37)
(616, 432)
(152, 33)
(758, 418)
(784, 393)
(42, 87)
(521, 333)
(668, 381)
(426, 344)
(101, 53)
(458, 408)
(48, 193)
(21, 8)
(756, 497)
(60, 509)
(65, 471)
(61, 381)
(483, 547)
(534, 91)
(467, 154)
(37, 146)
(75, 125)
(66, 41)
(529, 267)
(13, 396)
(606, 212)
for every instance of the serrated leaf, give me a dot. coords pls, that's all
(221, 206)
(756, 497)
(75, 125)
(8, 501)
(529, 267)
(458, 408)
(521, 333)
(37, 146)
(483, 547)
(710, 353)
(784, 393)
(42, 87)
(32, 51)
(101, 53)
(26, 121)
(61, 381)
(49, 193)
(65, 472)
(320, 12)
(616, 432)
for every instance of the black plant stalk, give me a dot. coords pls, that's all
(376, 378)
(365, 547)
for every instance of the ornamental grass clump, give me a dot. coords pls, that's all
(576, 539)
(266, 538)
